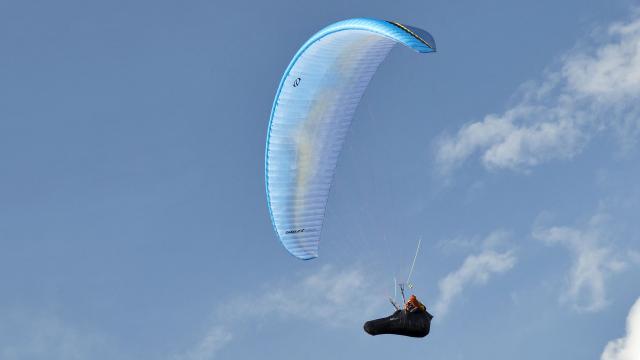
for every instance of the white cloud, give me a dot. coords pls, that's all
(628, 347)
(476, 269)
(596, 87)
(613, 72)
(323, 296)
(497, 239)
(29, 335)
(593, 261)
(206, 349)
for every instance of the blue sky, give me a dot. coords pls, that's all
(133, 219)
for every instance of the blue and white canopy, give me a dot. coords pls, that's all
(315, 102)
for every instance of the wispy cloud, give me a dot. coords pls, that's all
(208, 347)
(627, 347)
(593, 261)
(596, 87)
(324, 296)
(30, 335)
(496, 239)
(476, 269)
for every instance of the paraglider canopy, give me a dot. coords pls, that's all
(314, 104)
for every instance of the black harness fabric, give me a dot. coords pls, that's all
(402, 322)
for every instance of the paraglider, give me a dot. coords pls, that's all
(413, 320)
(313, 107)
